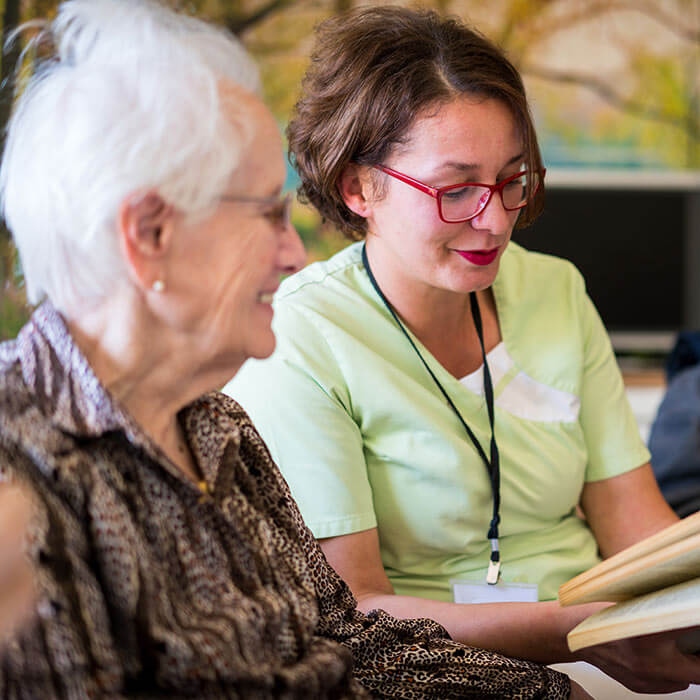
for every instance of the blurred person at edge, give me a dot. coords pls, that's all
(413, 135)
(142, 182)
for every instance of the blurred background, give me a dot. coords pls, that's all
(615, 92)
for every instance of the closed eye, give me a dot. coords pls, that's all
(275, 215)
(278, 212)
(461, 193)
(519, 182)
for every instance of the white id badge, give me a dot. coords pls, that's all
(475, 592)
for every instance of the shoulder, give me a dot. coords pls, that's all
(9, 354)
(531, 273)
(338, 269)
(543, 310)
(33, 448)
(34, 452)
(217, 404)
(10, 368)
(256, 471)
(18, 406)
(330, 289)
(325, 308)
(223, 418)
(537, 286)
(233, 421)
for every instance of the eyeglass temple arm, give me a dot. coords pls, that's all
(432, 191)
(257, 200)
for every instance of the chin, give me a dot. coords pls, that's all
(263, 348)
(486, 275)
(483, 279)
(484, 283)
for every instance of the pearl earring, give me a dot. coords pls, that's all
(158, 286)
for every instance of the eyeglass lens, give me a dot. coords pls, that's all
(279, 213)
(463, 203)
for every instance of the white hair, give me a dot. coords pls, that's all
(129, 101)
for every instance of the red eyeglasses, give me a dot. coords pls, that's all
(464, 201)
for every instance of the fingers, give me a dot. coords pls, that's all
(651, 685)
(648, 664)
(688, 641)
(578, 693)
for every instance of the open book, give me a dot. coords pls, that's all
(654, 583)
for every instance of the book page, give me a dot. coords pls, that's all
(676, 607)
(677, 532)
(673, 564)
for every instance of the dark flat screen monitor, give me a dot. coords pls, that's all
(632, 247)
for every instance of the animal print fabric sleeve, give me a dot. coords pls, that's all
(63, 652)
(416, 658)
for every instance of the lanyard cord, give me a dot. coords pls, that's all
(493, 464)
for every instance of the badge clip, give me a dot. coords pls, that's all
(493, 573)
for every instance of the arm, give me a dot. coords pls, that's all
(621, 511)
(624, 509)
(533, 631)
(392, 656)
(67, 648)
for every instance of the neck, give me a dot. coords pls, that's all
(426, 310)
(440, 318)
(151, 370)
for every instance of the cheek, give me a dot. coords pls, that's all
(251, 267)
(408, 217)
(226, 275)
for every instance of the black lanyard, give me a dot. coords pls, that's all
(492, 465)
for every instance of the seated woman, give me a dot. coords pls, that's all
(442, 400)
(142, 183)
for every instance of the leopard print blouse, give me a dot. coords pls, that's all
(151, 586)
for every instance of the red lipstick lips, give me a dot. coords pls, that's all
(479, 257)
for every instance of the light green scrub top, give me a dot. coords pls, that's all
(365, 439)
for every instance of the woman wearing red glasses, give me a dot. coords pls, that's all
(442, 401)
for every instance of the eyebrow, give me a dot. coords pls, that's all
(272, 193)
(470, 167)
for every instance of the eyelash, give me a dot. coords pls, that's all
(275, 215)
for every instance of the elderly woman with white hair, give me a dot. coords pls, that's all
(142, 182)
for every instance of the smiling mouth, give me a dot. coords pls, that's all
(479, 257)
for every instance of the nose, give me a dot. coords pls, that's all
(494, 217)
(291, 252)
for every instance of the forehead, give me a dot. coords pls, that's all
(469, 129)
(261, 163)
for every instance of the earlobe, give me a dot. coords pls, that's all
(354, 189)
(145, 225)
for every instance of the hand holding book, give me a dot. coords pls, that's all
(655, 585)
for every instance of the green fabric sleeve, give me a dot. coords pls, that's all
(611, 432)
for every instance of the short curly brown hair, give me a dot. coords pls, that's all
(372, 71)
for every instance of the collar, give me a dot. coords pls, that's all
(75, 401)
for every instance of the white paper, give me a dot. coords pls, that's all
(474, 592)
